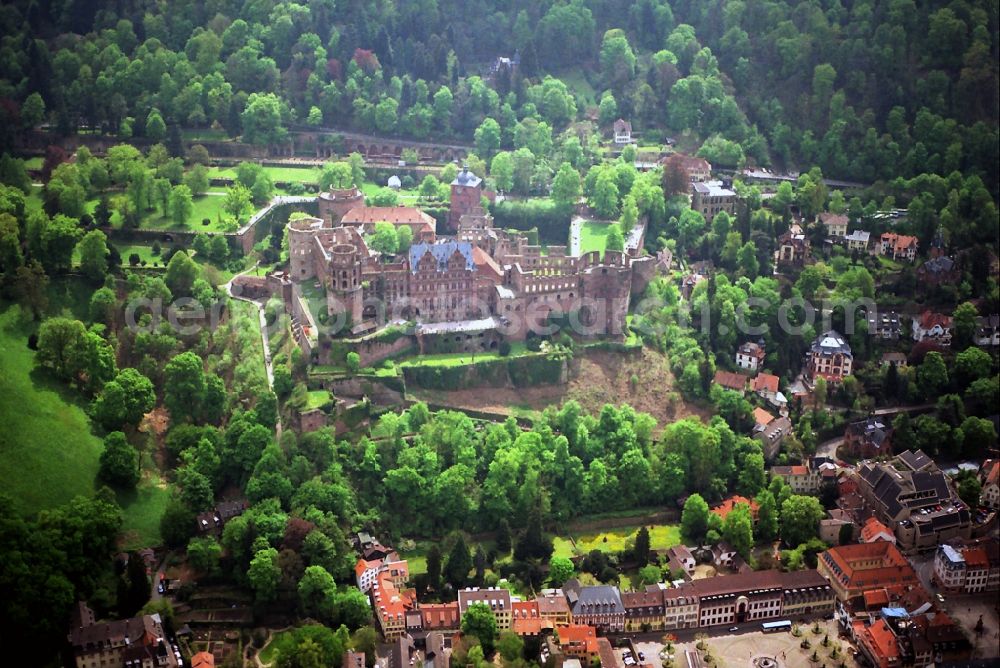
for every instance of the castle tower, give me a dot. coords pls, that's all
(334, 203)
(466, 196)
(345, 292)
(301, 237)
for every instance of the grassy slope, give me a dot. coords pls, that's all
(660, 538)
(48, 453)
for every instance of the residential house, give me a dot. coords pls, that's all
(829, 357)
(436, 651)
(793, 248)
(731, 381)
(697, 169)
(773, 435)
(710, 198)
(968, 567)
(578, 641)
(440, 616)
(941, 270)
(599, 606)
(910, 494)
(878, 644)
(857, 240)
(552, 605)
(801, 478)
(761, 418)
(884, 325)
(723, 554)
(643, 610)
(138, 641)
(391, 605)
(750, 356)
(989, 478)
(854, 569)
(932, 326)
(895, 359)
(495, 598)
(527, 620)
(366, 571)
(867, 439)
(948, 642)
(679, 557)
(898, 246)
(623, 131)
(765, 386)
(835, 224)
(988, 331)
(680, 609)
(873, 530)
(730, 503)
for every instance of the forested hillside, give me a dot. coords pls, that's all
(866, 90)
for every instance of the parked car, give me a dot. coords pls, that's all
(734, 628)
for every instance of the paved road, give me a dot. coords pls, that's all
(154, 593)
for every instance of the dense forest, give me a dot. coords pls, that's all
(866, 91)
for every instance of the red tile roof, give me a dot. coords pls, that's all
(439, 615)
(727, 506)
(731, 380)
(976, 558)
(203, 660)
(928, 319)
(876, 598)
(873, 528)
(578, 634)
(765, 381)
(881, 640)
(761, 416)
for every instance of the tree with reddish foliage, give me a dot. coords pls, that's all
(920, 350)
(296, 531)
(366, 60)
(54, 156)
(675, 176)
(335, 69)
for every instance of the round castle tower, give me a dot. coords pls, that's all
(301, 235)
(334, 203)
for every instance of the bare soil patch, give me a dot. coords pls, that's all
(598, 378)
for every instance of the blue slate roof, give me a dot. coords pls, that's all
(442, 252)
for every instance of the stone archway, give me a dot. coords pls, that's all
(742, 605)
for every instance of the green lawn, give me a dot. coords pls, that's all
(36, 162)
(577, 84)
(461, 359)
(290, 174)
(614, 540)
(144, 252)
(205, 206)
(317, 398)
(48, 453)
(594, 236)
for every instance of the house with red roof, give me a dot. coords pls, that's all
(750, 356)
(578, 641)
(731, 381)
(727, 506)
(874, 530)
(898, 246)
(931, 326)
(878, 644)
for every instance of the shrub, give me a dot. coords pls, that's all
(206, 221)
(156, 248)
(133, 259)
(504, 348)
